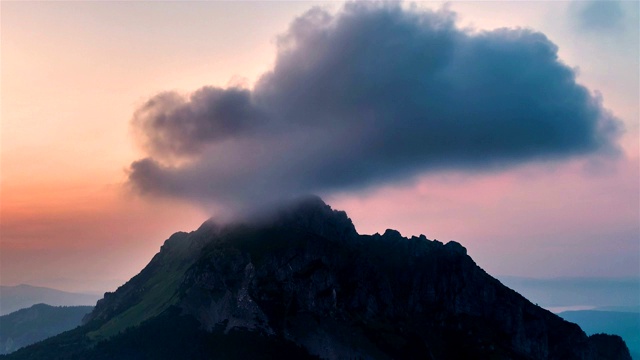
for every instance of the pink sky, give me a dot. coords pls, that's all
(73, 73)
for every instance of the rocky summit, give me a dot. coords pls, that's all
(302, 283)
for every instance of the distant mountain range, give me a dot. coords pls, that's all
(18, 297)
(303, 284)
(27, 326)
(618, 294)
(625, 324)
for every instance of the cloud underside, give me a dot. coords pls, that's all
(373, 94)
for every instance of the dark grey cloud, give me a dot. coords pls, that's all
(373, 94)
(171, 125)
(598, 15)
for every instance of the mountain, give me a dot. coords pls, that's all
(18, 297)
(625, 324)
(27, 326)
(302, 283)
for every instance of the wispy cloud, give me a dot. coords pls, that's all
(598, 15)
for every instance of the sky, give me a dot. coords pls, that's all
(510, 127)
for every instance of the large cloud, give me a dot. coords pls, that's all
(373, 94)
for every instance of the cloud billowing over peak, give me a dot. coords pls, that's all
(372, 94)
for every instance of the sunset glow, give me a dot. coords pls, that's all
(74, 73)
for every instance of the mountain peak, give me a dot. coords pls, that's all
(307, 214)
(314, 215)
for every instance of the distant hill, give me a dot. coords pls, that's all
(624, 324)
(631, 309)
(571, 293)
(27, 326)
(303, 284)
(18, 297)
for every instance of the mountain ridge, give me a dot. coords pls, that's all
(16, 297)
(302, 280)
(38, 322)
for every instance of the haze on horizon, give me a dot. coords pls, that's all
(442, 128)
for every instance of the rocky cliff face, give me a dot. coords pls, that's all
(304, 280)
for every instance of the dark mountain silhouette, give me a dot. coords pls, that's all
(303, 283)
(27, 326)
(22, 296)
